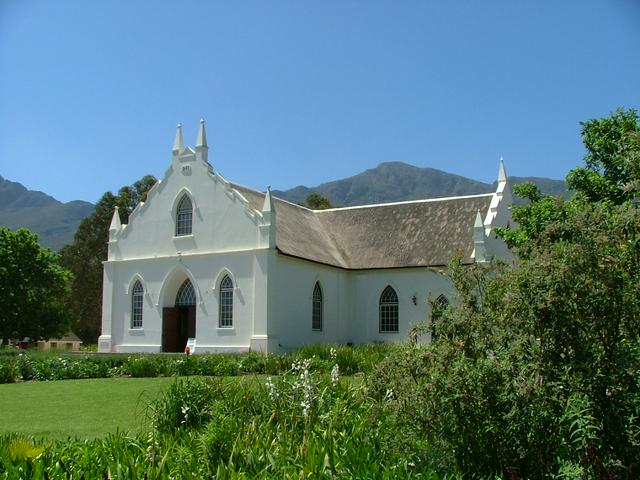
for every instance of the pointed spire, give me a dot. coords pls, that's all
(480, 250)
(502, 173)
(201, 142)
(478, 223)
(268, 206)
(268, 227)
(116, 225)
(178, 145)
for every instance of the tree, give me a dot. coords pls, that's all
(315, 201)
(611, 174)
(33, 287)
(612, 162)
(85, 255)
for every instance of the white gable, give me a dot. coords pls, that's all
(222, 218)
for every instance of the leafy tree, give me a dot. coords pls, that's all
(33, 286)
(612, 162)
(316, 201)
(85, 255)
(611, 174)
(535, 371)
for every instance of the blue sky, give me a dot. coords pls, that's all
(299, 92)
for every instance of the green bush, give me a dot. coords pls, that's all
(8, 370)
(536, 370)
(253, 362)
(144, 366)
(228, 366)
(186, 404)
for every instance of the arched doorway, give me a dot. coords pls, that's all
(179, 322)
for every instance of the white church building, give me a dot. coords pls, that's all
(237, 269)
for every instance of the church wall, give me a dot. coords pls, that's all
(291, 285)
(368, 285)
(162, 279)
(350, 302)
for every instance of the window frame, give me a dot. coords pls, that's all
(137, 305)
(186, 298)
(225, 303)
(184, 217)
(317, 308)
(388, 311)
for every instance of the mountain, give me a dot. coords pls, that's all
(397, 181)
(54, 222)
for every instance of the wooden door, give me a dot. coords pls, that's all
(191, 318)
(170, 329)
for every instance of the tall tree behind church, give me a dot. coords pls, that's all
(85, 255)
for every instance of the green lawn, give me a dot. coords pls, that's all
(77, 408)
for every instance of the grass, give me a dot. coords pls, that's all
(78, 408)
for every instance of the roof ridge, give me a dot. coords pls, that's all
(405, 202)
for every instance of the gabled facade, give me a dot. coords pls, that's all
(240, 270)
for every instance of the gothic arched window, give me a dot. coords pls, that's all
(316, 308)
(184, 216)
(186, 294)
(137, 295)
(226, 303)
(388, 310)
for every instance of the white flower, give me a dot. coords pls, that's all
(335, 374)
(185, 413)
(389, 394)
(333, 353)
(273, 393)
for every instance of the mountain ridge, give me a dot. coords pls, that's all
(398, 181)
(56, 222)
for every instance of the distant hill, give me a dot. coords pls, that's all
(54, 222)
(397, 181)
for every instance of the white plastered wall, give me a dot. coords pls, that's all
(423, 283)
(350, 302)
(162, 279)
(291, 284)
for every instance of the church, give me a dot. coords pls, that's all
(231, 269)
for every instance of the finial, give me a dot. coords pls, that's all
(478, 223)
(178, 145)
(116, 224)
(502, 173)
(268, 201)
(201, 142)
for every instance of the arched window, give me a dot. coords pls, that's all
(388, 310)
(184, 216)
(439, 306)
(437, 310)
(137, 294)
(226, 303)
(186, 294)
(316, 308)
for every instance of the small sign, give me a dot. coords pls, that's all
(190, 348)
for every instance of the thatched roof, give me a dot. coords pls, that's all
(392, 235)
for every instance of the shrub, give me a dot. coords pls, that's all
(219, 435)
(227, 367)
(8, 371)
(144, 366)
(186, 404)
(253, 362)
